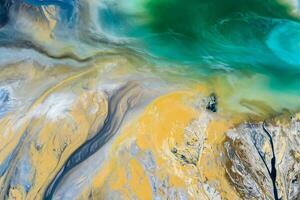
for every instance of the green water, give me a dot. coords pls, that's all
(254, 45)
(238, 34)
(219, 37)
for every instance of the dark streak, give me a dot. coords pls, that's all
(272, 173)
(110, 127)
(4, 12)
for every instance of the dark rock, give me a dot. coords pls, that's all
(4, 8)
(212, 103)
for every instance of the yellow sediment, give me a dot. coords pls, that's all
(63, 135)
(212, 168)
(139, 182)
(161, 125)
(14, 124)
(70, 136)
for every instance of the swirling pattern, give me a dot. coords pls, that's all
(149, 99)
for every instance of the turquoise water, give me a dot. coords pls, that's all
(252, 34)
(235, 39)
(259, 35)
(216, 36)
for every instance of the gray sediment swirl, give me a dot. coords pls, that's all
(119, 103)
